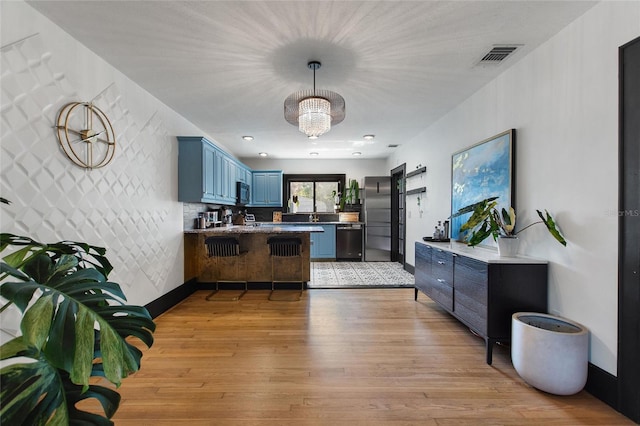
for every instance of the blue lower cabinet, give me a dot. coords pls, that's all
(323, 244)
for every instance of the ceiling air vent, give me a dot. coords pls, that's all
(392, 145)
(498, 54)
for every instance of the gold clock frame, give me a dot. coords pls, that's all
(78, 143)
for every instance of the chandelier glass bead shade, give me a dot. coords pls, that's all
(314, 111)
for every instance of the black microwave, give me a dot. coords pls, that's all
(243, 195)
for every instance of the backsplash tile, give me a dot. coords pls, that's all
(190, 212)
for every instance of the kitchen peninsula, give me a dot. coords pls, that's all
(255, 263)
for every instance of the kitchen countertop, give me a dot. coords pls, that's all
(309, 223)
(262, 229)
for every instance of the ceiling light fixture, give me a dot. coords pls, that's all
(262, 154)
(314, 111)
(369, 137)
(313, 154)
(247, 138)
(356, 153)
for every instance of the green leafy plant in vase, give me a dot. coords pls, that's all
(351, 195)
(75, 332)
(486, 220)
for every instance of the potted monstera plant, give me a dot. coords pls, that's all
(75, 328)
(486, 220)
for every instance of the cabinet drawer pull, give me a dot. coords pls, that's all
(440, 280)
(440, 262)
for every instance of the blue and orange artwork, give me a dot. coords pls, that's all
(481, 171)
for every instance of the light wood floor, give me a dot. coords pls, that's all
(336, 357)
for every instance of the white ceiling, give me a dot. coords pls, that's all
(227, 66)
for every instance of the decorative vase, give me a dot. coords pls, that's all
(508, 246)
(550, 353)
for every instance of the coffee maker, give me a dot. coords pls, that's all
(227, 216)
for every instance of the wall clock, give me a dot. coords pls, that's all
(86, 135)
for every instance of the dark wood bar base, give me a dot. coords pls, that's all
(254, 265)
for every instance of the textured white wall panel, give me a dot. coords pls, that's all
(129, 206)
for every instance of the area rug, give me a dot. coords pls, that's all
(359, 275)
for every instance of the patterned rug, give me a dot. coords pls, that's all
(358, 275)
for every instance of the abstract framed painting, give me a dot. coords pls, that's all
(483, 170)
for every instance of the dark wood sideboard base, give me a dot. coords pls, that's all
(482, 292)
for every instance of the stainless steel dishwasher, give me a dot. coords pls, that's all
(349, 242)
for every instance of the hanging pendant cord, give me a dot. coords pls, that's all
(314, 65)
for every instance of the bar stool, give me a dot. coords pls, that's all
(285, 247)
(221, 248)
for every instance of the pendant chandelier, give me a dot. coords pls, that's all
(314, 111)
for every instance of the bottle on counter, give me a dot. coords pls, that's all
(201, 222)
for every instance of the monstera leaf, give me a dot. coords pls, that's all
(74, 326)
(45, 394)
(87, 255)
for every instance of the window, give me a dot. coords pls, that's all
(315, 193)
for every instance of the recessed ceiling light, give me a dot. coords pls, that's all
(262, 154)
(247, 138)
(356, 153)
(369, 137)
(313, 154)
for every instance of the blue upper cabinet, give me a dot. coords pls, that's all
(217, 175)
(248, 176)
(243, 174)
(196, 165)
(206, 174)
(208, 164)
(266, 188)
(227, 178)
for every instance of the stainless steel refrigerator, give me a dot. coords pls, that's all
(377, 218)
